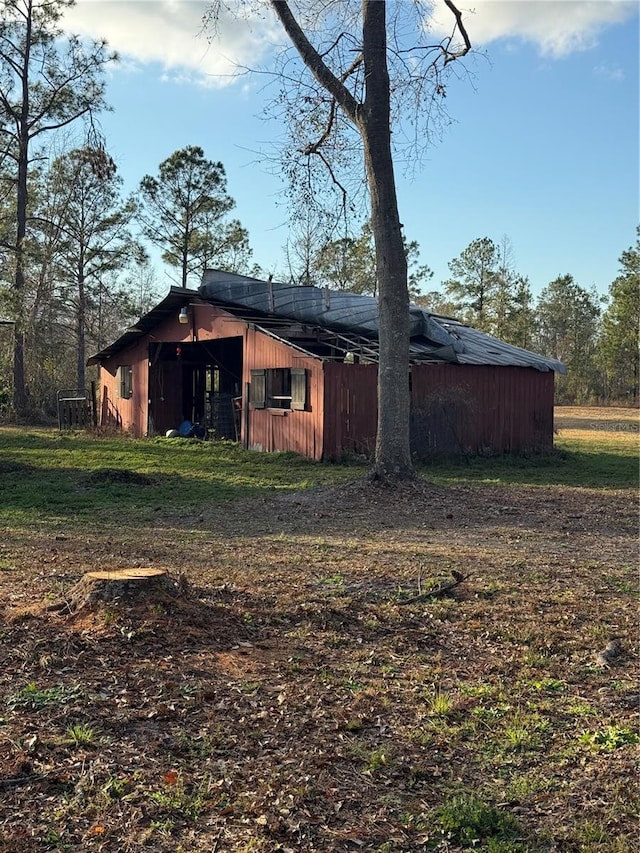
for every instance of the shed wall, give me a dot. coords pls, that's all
(284, 429)
(132, 414)
(129, 413)
(350, 409)
(475, 409)
(454, 409)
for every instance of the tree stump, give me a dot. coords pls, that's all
(127, 586)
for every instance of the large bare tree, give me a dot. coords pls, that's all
(347, 57)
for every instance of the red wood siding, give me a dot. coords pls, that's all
(455, 409)
(130, 414)
(350, 408)
(474, 409)
(284, 429)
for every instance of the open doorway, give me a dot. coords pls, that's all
(199, 382)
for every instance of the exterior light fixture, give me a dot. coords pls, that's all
(183, 316)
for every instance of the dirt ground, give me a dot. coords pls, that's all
(599, 418)
(305, 693)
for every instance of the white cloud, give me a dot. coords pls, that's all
(609, 71)
(556, 27)
(170, 33)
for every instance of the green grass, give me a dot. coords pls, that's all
(463, 723)
(75, 478)
(55, 478)
(468, 821)
(581, 463)
(80, 735)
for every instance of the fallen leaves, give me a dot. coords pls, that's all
(290, 702)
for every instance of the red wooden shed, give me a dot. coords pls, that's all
(286, 368)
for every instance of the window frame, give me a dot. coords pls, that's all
(279, 389)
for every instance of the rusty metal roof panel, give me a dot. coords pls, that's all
(480, 348)
(273, 304)
(432, 337)
(333, 309)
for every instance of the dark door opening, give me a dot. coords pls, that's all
(199, 382)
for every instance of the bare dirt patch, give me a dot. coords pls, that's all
(117, 475)
(291, 701)
(600, 418)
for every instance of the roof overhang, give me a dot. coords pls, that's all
(170, 305)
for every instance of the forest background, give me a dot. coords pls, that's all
(89, 263)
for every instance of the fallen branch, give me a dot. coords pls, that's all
(458, 577)
(20, 780)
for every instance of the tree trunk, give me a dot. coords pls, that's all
(393, 453)
(373, 119)
(81, 321)
(19, 381)
(19, 384)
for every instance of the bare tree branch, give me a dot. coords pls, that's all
(315, 62)
(450, 56)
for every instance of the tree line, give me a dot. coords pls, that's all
(595, 336)
(86, 272)
(74, 269)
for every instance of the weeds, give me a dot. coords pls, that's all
(117, 788)
(178, 797)
(80, 735)
(440, 704)
(377, 759)
(523, 732)
(33, 698)
(610, 739)
(54, 840)
(469, 821)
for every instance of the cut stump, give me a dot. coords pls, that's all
(127, 586)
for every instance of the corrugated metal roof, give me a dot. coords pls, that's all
(352, 317)
(432, 337)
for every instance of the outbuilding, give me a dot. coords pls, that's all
(281, 367)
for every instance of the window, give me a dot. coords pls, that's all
(125, 384)
(279, 388)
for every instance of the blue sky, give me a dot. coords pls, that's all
(543, 147)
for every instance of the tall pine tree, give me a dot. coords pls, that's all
(620, 341)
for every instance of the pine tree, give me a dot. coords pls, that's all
(183, 211)
(474, 282)
(567, 327)
(621, 321)
(89, 225)
(47, 82)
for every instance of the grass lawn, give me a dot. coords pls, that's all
(303, 691)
